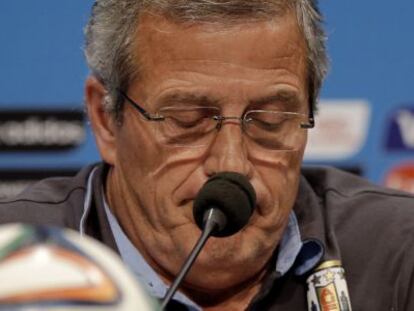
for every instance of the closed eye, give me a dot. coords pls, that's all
(191, 117)
(187, 122)
(266, 120)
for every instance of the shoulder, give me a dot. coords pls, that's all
(339, 189)
(49, 201)
(360, 214)
(373, 229)
(354, 205)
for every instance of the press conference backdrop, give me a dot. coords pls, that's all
(365, 122)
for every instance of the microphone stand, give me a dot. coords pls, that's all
(215, 219)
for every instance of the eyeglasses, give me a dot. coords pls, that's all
(197, 126)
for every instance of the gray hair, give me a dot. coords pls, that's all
(113, 25)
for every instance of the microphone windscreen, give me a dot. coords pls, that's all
(231, 193)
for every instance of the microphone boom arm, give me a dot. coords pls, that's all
(214, 220)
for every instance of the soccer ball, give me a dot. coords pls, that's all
(47, 268)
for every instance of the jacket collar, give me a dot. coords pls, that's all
(94, 221)
(313, 218)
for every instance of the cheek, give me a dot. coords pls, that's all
(280, 173)
(138, 155)
(179, 175)
(155, 173)
(138, 141)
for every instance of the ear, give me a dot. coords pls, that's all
(103, 124)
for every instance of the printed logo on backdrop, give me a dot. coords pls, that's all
(401, 177)
(41, 130)
(341, 130)
(400, 135)
(12, 182)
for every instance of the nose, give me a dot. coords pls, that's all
(228, 152)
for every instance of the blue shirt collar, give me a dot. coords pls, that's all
(142, 270)
(294, 253)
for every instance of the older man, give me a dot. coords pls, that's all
(181, 90)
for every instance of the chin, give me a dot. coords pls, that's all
(222, 274)
(223, 263)
(235, 252)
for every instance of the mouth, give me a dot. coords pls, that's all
(184, 197)
(187, 203)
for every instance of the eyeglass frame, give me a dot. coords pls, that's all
(148, 116)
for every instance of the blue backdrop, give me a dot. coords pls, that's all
(371, 45)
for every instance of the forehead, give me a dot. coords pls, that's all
(157, 34)
(251, 51)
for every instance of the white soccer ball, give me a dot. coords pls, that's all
(46, 268)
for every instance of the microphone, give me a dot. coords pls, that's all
(231, 196)
(222, 207)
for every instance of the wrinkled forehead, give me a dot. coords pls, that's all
(247, 42)
(214, 19)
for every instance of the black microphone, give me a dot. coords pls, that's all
(231, 196)
(222, 207)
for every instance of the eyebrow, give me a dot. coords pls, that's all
(283, 100)
(180, 98)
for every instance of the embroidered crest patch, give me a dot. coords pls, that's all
(327, 288)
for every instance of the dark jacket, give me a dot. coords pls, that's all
(369, 228)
